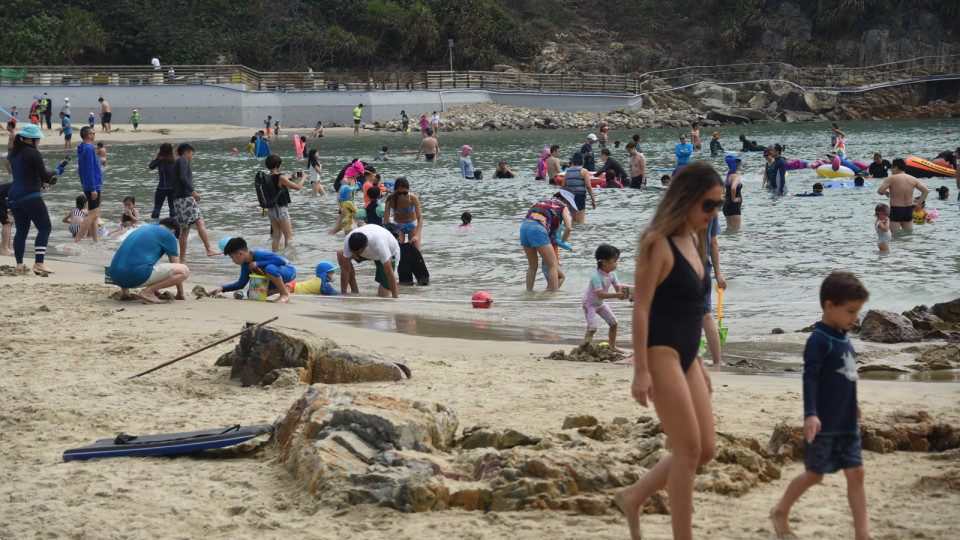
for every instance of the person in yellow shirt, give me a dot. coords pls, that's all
(318, 285)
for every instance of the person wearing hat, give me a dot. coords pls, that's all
(542, 222)
(318, 285)
(25, 197)
(66, 107)
(589, 163)
(715, 147)
(577, 181)
(466, 164)
(732, 198)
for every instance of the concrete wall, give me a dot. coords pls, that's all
(227, 104)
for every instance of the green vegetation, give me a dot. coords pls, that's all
(350, 35)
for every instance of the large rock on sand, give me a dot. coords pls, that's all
(350, 448)
(265, 350)
(948, 311)
(887, 327)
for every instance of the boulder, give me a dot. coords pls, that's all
(786, 443)
(759, 100)
(887, 327)
(820, 102)
(792, 100)
(579, 421)
(948, 311)
(728, 116)
(348, 447)
(938, 357)
(266, 349)
(711, 91)
(912, 432)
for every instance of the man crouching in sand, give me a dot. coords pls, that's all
(135, 262)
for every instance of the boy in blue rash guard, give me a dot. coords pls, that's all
(831, 436)
(683, 151)
(277, 269)
(778, 171)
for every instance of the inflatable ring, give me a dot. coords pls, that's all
(841, 172)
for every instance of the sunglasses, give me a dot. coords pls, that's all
(711, 205)
(402, 192)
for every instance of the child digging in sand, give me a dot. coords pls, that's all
(593, 300)
(831, 436)
(277, 269)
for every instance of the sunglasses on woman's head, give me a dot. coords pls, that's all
(710, 205)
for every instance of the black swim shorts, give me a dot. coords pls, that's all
(93, 204)
(106, 117)
(831, 453)
(901, 214)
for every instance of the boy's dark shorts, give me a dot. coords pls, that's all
(91, 203)
(831, 453)
(67, 136)
(356, 122)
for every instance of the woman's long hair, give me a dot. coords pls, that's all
(17, 145)
(685, 192)
(166, 153)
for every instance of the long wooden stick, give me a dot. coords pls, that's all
(165, 364)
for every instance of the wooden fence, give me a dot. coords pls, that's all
(636, 83)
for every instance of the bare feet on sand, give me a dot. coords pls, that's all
(283, 299)
(212, 253)
(6, 252)
(149, 297)
(780, 524)
(616, 349)
(180, 296)
(632, 515)
(41, 268)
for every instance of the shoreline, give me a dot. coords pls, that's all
(160, 133)
(68, 360)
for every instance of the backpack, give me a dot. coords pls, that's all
(266, 194)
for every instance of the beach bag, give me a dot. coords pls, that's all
(259, 285)
(266, 194)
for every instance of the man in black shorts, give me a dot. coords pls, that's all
(899, 187)
(105, 115)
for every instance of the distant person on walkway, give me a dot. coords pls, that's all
(135, 264)
(155, 62)
(899, 187)
(357, 115)
(105, 115)
(715, 147)
(683, 151)
(586, 151)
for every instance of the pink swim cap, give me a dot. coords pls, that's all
(355, 169)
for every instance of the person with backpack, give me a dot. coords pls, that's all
(275, 197)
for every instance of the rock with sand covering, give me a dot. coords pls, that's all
(10, 271)
(350, 447)
(786, 444)
(268, 348)
(915, 431)
(887, 327)
(938, 357)
(501, 439)
(588, 351)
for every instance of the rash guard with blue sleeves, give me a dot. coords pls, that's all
(830, 381)
(271, 264)
(466, 167)
(133, 262)
(683, 152)
(88, 167)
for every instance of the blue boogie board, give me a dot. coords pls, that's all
(838, 184)
(167, 443)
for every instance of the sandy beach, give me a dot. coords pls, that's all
(68, 351)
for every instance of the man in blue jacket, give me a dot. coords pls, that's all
(91, 178)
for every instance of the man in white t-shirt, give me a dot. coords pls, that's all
(155, 62)
(370, 242)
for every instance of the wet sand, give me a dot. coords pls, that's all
(68, 350)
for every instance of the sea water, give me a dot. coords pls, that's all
(773, 265)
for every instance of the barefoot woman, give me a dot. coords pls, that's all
(670, 288)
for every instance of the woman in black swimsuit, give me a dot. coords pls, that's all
(671, 283)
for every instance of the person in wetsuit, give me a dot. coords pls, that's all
(731, 198)
(671, 286)
(750, 146)
(25, 197)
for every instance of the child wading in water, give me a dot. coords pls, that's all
(831, 436)
(593, 300)
(883, 227)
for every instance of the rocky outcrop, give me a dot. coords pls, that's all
(588, 351)
(948, 312)
(938, 358)
(350, 447)
(909, 431)
(887, 327)
(264, 352)
(786, 443)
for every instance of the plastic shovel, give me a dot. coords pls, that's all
(720, 328)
